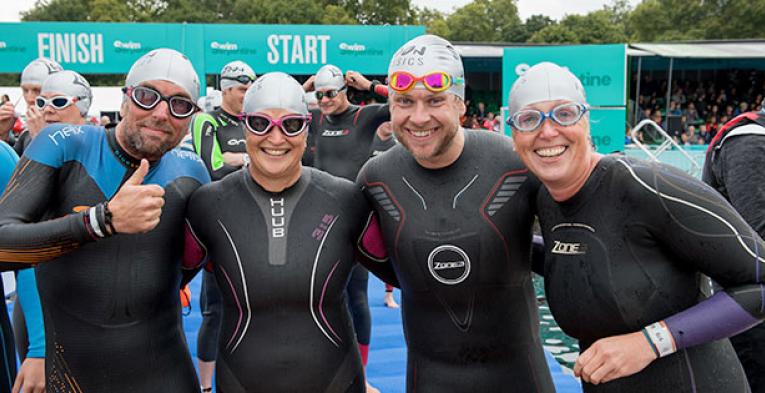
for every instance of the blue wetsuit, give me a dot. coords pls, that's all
(111, 305)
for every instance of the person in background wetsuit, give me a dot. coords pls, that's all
(281, 239)
(341, 135)
(456, 209)
(8, 159)
(65, 97)
(218, 138)
(105, 211)
(733, 167)
(625, 244)
(32, 78)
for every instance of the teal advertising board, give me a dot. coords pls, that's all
(602, 70)
(105, 48)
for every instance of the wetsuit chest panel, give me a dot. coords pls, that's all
(343, 142)
(603, 261)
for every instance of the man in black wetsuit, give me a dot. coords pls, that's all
(625, 244)
(733, 166)
(456, 209)
(341, 136)
(107, 209)
(218, 138)
(281, 238)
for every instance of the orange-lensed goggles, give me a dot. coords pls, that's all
(402, 81)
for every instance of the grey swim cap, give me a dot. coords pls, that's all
(166, 65)
(329, 76)
(545, 82)
(38, 70)
(275, 90)
(428, 53)
(235, 69)
(71, 84)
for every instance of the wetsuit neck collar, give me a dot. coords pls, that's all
(591, 185)
(229, 116)
(122, 155)
(305, 176)
(339, 117)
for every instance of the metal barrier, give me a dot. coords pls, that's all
(667, 144)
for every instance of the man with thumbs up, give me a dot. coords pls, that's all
(107, 209)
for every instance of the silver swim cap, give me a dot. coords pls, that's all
(166, 65)
(38, 70)
(329, 76)
(71, 84)
(545, 82)
(233, 70)
(428, 53)
(275, 90)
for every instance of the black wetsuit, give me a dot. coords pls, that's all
(282, 261)
(111, 306)
(342, 145)
(459, 241)
(22, 142)
(213, 134)
(735, 169)
(627, 251)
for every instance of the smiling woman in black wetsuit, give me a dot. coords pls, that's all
(625, 244)
(282, 239)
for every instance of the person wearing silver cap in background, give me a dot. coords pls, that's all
(65, 97)
(104, 210)
(340, 141)
(625, 243)
(32, 78)
(218, 138)
(282, 245)
(456, 209)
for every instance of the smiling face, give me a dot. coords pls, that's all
(151, 133)
(69, 115)
(275, 157)
(560, 156)
(428, 125)
(335, 105)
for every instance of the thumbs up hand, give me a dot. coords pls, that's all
(136, 208)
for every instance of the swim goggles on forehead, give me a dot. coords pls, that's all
(243, 79)
(438, 81)
(530, 119)
(57, 102)
(147, 98)
(329, 93)
(260, 124)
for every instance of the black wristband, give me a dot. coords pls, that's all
(373, 86)
(108, 218)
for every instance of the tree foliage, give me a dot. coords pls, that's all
(477, 21)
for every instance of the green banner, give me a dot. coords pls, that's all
(602, 70)
(111, 48)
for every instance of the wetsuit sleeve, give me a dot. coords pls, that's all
(26, 288)
(24, 240)
(538, 255)
(204, 137)
(372, 253)
(706, 234)
(194, 251)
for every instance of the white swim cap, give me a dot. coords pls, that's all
(232, 71)
(71, 84)
(38, 70)
(429, 53)
(166, 65)
(275, 90)
(545, 82)
(329, 76)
